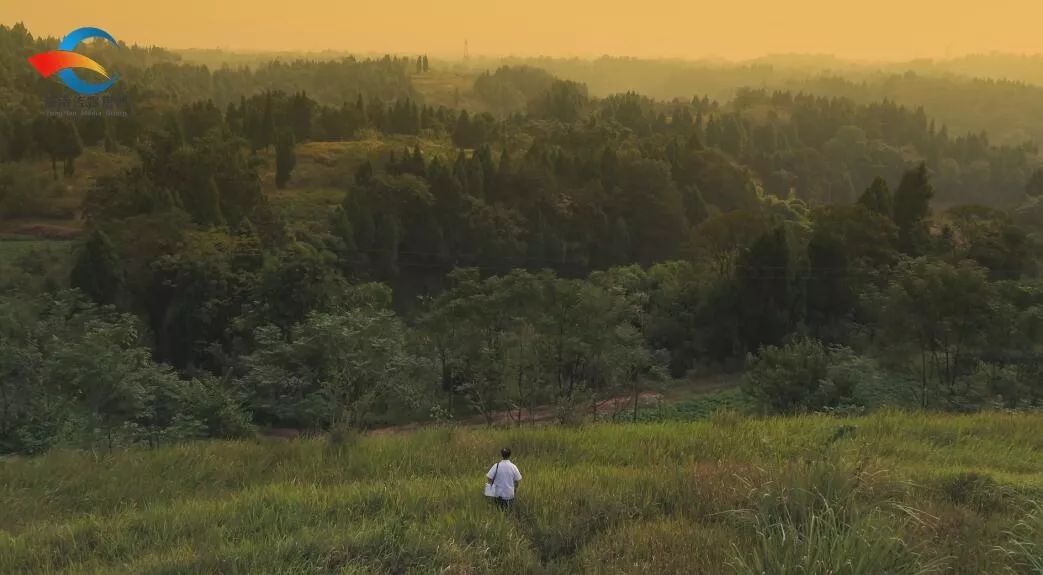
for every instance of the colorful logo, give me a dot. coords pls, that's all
(63, 60)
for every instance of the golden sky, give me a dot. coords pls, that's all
(867, 29)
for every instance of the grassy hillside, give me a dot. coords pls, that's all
(888, 493)
(44, 207)
(16, 248)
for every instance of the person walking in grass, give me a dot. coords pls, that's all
(502, 480)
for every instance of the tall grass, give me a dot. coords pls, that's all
(778, 495)
(825, 543)
(1024, 546)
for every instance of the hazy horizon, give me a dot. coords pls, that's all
(887, 31)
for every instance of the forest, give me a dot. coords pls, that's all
(351, 243)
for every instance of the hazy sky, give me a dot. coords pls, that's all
(869, 29)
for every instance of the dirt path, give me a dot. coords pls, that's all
(605, 408)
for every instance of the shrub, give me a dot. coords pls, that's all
(805, 375)
(790, 378)
(978, 491)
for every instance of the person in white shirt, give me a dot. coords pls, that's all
(503, 478)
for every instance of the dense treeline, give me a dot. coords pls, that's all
(155, 84)
(156, 78)
(281, 339)
(995, 92)
(571, 250)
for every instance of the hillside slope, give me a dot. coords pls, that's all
(894, 493)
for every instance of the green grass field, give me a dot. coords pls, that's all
(449, 88)
(14, 248)
(887, 493)
(325, 164)
(325, 170)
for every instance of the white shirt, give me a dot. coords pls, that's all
(507, 475)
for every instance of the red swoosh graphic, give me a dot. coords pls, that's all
(48, 63)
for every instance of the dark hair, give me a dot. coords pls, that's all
(505, 453)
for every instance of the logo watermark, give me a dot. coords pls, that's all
(63, 61)
(108, 106)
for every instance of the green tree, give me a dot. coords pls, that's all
(74, 373)
(990, 238)
(768, 290)
(720, 240)
(721, 181)
(108, 374)
(285, 158)
(654, 210)
(911, 208)
(47, 133)
(938, 309)
(266, 134)
(361, 359)
(1034, 186)
(847, 246)
(21, 378)
(802, 375)
(301, 110)
(334, 368)
(70, 146)
(564, 101)
(877, 198)
(97, 271)
(475, 327)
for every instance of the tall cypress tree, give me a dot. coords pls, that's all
(285, 158)
(70, 145)
(267, 135)
(210, 204)
(1034, 186)
(45, 134)
(300, 116)
(911, 207)
(97, 270)
(877, 198)
(767, 285)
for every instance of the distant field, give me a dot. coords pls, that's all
(326, 164)
(56, 214)
(447, 88)
(888, 493)
(13, 249)
(325, 170)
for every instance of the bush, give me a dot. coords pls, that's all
(204, 407)
(805, 375)
(975, 490)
